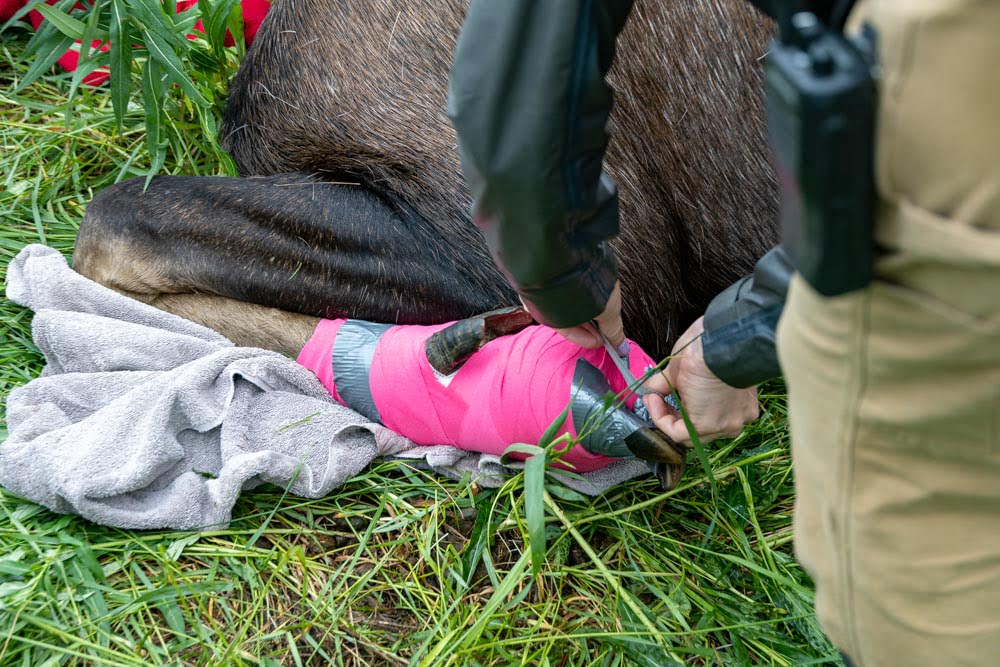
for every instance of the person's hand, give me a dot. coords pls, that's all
(610, 321)
(716, 409)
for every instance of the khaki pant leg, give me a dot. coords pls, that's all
(894, 391)
(819, 343)
(894, 406)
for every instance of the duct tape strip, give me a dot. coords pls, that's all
(353, 351)
(602, 429)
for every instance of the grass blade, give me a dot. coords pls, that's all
(161, 51)
(520, 448)
(534, 509)
(120, 61)
(550, 433)
(63, 22)
(45, 57)
(215, 22)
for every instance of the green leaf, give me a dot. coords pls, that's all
(159, 158)
(550, 433)
(478, 540)
(228, 162)
(161, 51)
(45, 57)
(16, 18)
(150, 17)
(520, 448)
(534, 509)
(174, 617)
(203, 60)
(121, 61)
(152, 98)
(47, 31)
(177, 547)
(63, 22)
(90, 58)
(215, 21)
(568, 494)
(185, 21)
(235, 25)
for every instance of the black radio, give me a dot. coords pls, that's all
(820, 116)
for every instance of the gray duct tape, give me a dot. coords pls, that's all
(353, 351)
(601, 428)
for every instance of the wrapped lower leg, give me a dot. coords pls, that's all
(485, 383)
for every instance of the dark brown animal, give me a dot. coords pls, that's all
(354, 92)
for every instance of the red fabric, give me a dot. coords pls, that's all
(253, 14)
(9, 7)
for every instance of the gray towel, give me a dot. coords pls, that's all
(142, 419)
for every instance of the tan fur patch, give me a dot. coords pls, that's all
(246, 324)
(138, 274)
(125, 268)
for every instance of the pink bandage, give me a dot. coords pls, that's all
(507, 392)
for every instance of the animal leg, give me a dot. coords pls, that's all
(246, 324)
(291, 243)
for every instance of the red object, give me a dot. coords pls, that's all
(253, 14)
(9, 7)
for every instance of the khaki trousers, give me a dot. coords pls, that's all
(894, 390)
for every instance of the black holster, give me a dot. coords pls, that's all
(821, 116)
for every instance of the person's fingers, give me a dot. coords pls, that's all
(584, 335)
(672, 423)
(664, 381)
(657, 382)
(658, 410)
(673, 426)
(667, 420)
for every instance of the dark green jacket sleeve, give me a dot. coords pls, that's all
(738, 343)
(529, 101)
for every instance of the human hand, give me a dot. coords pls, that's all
(716, 409)
(609, 321)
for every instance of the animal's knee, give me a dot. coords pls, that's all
(92, 256)
(107, 247)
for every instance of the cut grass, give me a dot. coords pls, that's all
(398, 566)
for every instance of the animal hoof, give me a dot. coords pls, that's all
(449, 348)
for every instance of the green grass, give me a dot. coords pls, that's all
(396, 567)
